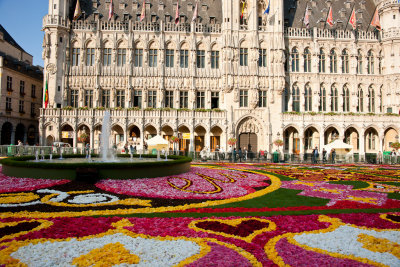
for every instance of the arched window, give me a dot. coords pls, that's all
(322, 96)
(359, 62)
(371, 99)
(295, 59)
(307, 60)
(322, 59)
(360, 96)
(370, 60)
(346, 98)
(307, 98)
(333, 61)
(380, 62)
(296, 98)
(334, 98)
(287, 98)
(345, 61)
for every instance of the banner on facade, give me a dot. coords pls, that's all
(66, 134)
(186, 135)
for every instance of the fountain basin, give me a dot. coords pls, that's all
(27, 167)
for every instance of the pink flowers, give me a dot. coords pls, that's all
(199, 183)
(12, 184)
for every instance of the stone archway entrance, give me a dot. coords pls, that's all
(248, 132)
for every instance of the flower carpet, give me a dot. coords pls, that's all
(214, 215)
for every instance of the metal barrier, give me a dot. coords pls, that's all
(252, 157)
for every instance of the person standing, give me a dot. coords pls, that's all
(240, 154)
(333, 154)
(315, 155)
(234, 154)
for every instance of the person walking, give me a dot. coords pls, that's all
(240, 154)
(333, 154)
(234, 154)
(315, 155)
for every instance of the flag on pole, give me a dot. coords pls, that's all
(268, 7)
(143, 14)
(307, 18)
(177, 12)
(329, 19)
(111, 11)
(241, 15)
(195, 13)
(375, 21)
(46, 95)
(353, 19)
(78, 10)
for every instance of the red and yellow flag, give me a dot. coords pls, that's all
(353, 19)
(329, 20)
(376, 22)
(46, 95)
(241, 15)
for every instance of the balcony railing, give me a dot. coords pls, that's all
(303, 33)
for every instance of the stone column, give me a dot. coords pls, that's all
(301, 137)
(91, 138)
(362, 147)
(321, 143)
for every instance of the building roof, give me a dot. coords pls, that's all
(7, 37)
(207, 9)
(318, 12)
(35, 72)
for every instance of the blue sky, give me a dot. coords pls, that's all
(23, 21)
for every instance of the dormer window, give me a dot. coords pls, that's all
(182, 19)
(167, 18)
(213, 20)
(153, 18)
(126, 16)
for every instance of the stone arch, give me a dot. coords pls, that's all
(352, 137)
(134, 134)
(122, 42)
(153, 44)
(20, 131)
(139, 44)
(331, 133)
(66, 127)
(117, 135)
(65, 124)
(50, 140)
(184, 144)
(291, 126)
(371, 139)
(249, 132)
(214, 45)
(107, 43)
(31, 134)
(291, 140)
(170, 45)
(243, 43)
(6, 131)
(312, 137)
(200, 133)
(90, 43)
(184, 45)
(390, 135)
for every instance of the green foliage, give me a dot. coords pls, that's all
(24, 162)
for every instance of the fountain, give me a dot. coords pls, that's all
(107, 166)
(106, 153)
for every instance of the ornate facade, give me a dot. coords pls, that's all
(233, 71)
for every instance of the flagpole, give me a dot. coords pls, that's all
(327, 16)
(373, 16)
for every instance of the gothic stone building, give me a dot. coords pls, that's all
(232, 72)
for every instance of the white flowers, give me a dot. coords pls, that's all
(151, 252)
